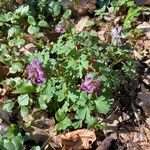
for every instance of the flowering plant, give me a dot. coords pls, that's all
(73, 78)
(35, 72)
(90, 85)
(59, 29)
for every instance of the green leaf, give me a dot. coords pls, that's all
(31, 20)
(13, 131)
(16, 42)
(36, 148)
(33, 29)
(72, 96)
(77, 124)
(84, 61)
(49, 90)
(15, 30)
(80, 71)
(18, 142)
(16, 67)
(100, 12)
(61, 113)
(64, 124)
(67, 14)
(25, 89)
(85, 64)
(1, 141)
(24, 111)
(54, 8)
(102, 3)
(22, 10)
(82, 100)
(89, 23)
(81, 113)
(42, 101)
(90, 119)
(102, 105)
(10, 16)
(8, 145)
(133, 13)
(9, 104)
(23, 100)
(61, 95)
(43, 23)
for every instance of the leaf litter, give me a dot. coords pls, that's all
(76, 140)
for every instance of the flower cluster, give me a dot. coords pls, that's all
(90, 85)
(35, 72)
(59, 29)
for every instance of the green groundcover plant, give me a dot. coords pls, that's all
(72, 79)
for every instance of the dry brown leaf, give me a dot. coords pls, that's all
(29, 38)
(102, 34)
(81, 24)
(3, 95)
(83, 7)
(20, 2)
(137, 55)
(107, 142)
(5, 116)
(147, 44)
(145, 146)
(147, 132)
(148, 122)
(117, 20)
(28, 118)
(5, 91)
(146, 80)
(144, 100)
(109, 17)
(50, 36)
(139, 45)
(41, 127)
(145, 26)
(4, 70)
(125, 137)
(28, 49)
(147, 62)
(142, 48)
(76, 140)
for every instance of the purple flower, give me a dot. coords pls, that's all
(90, 85)
(59, 29)
(35, 72)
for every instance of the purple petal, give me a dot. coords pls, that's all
(35, 72)
(90, 85)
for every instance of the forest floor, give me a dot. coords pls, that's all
(127, 123)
